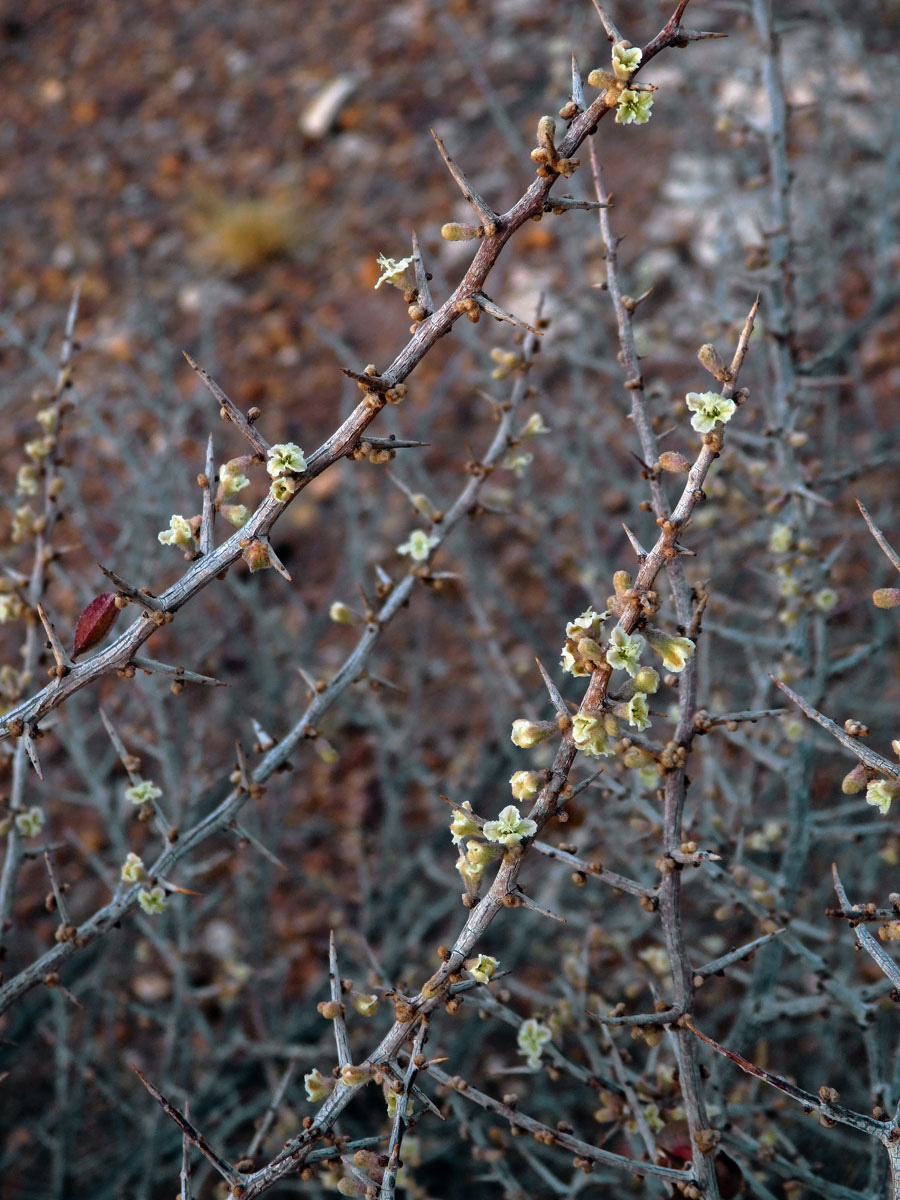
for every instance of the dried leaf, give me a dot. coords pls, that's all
(95, 622)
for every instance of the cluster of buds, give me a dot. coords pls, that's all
(546, 155)
(487, 842)
(284, 463)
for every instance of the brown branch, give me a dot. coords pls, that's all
(194, 1136)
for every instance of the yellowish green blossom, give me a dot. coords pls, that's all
(825, 599)
(179, 533)
(152, 900)
(31, 822)
(674, 651)
(525, 785)
(46, 418)
(510, 827)
(531, 1039)
(526, 734)
(649, 776)
(143, 792)
(365, 1003)
(625, 59)
(518, 462)
(390, 1099)
(235, 514)
(232, 478)
(581, 652)
(625, 650)
(709, 408)
(483, 967)
(25, 524)
(395, 272)
(480, 854)
(283, 487)
(10, 607)
(633, 107)
(285, 458)
(39, 448)
(341, 613)
(470, 872)
(880, 793)
(27, 480)
(636, 712)
(318, 1088)
(780, 538)
(418, 545)
(462, 826)
(656, 959)
(534, 426)
(133, 869)
(590, 736)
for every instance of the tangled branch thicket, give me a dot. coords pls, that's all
(493, 803)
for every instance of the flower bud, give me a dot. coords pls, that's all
(546, 131)
(341, 613)
(622, 581)
(854, 781)
(526, 734)
(673, 462)
(886, 597)
(256, 555)
(646, 680)
(454, 232)
(601, 79)
(709, 357)
(351, 1075)
(525, 785)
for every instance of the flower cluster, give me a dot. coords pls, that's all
(581, 652)
(284, 461)
(590, 735)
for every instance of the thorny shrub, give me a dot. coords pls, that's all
(361, 891)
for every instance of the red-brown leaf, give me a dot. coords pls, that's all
(95, 622)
